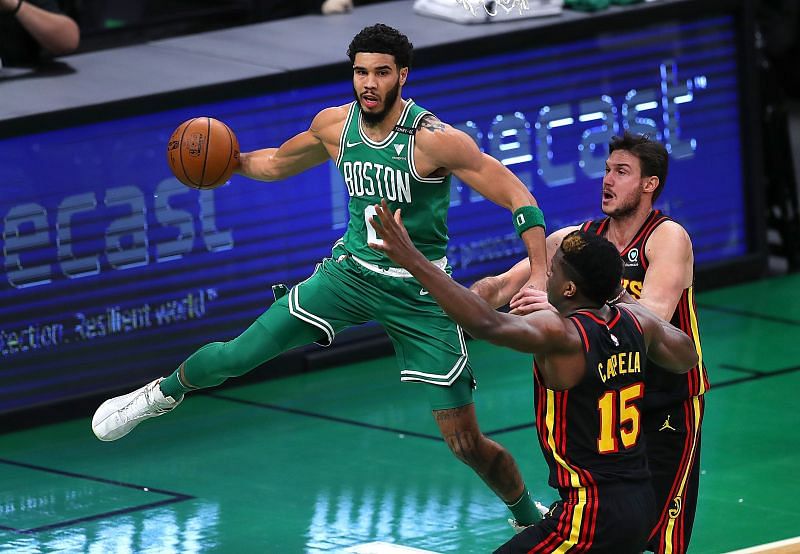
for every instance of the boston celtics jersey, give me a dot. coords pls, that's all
(375, 170)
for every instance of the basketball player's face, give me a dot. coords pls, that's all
(376, 84)
(623, 184)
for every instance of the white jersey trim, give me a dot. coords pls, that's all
(388, 140)
(304, 315)
(398, 272)
(436, 379)
(343, 136)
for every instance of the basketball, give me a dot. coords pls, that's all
(203, 153)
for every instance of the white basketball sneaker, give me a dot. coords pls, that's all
(117, 416)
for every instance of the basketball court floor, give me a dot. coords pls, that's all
(349, 459)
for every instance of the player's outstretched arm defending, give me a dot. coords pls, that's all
(464, 307)
(510, 287)
(543, 332)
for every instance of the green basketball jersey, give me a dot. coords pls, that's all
(375, 170)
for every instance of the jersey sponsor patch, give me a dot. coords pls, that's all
(405, 130)
(632, 258)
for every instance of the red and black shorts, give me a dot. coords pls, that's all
(612, 519)
(673, 454)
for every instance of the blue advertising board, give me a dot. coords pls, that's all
(114, 272)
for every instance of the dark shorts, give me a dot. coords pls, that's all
(673, 454)
(617, 520)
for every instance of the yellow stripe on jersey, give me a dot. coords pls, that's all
(668, 546)
(696, 338)
(670, 529)
(577, 512)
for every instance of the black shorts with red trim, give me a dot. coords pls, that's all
(673, 455)
(613, 519)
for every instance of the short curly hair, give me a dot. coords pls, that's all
(593, 263)
(382, 39)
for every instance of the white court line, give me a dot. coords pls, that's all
(385, 548)
(788, 546)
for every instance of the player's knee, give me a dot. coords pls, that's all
(466, 447)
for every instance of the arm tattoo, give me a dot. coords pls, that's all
(431, 123)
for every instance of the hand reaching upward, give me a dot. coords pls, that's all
(396, 242)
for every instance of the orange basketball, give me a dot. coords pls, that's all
(203, 153)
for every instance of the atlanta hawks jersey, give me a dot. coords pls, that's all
(663, 387)
(591, 433)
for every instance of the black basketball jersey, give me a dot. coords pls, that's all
(592, 434)
(663, 388)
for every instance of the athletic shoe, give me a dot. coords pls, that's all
(516, 526)
(117, 417)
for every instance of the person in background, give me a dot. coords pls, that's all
(32, 29)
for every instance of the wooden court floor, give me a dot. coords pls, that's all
(349, 460)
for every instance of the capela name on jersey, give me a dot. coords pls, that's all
(620, 363)
(371, 179)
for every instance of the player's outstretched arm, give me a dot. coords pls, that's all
(538, 333)
(453, 150)
(497, 290)
(526, 300)
(301, 152)
(510, 287)
(667, 345)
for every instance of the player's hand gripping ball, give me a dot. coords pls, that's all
(203, 153)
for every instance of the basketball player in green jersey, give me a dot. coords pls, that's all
(385, 147)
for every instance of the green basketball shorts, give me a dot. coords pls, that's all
(342, 292)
